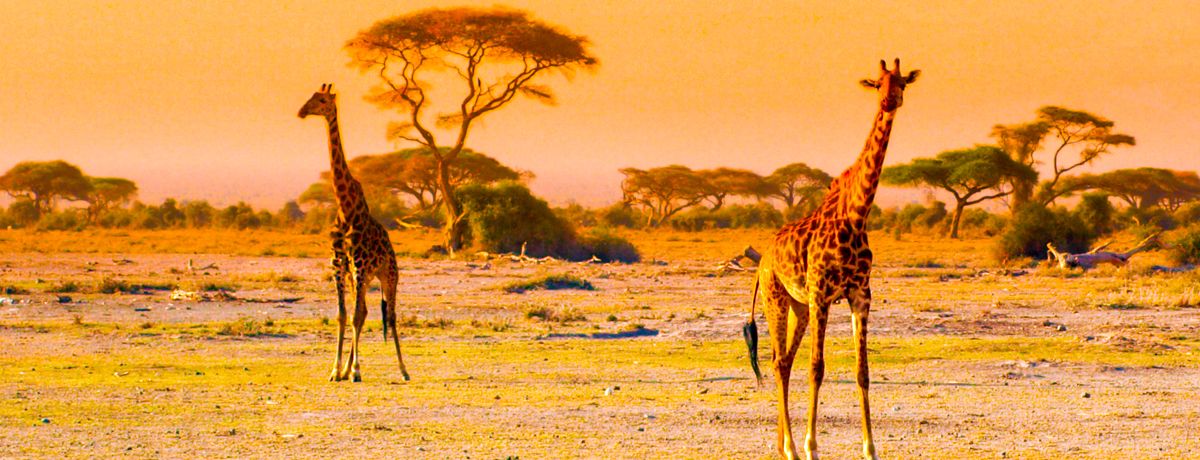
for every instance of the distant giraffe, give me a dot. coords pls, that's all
(361, 247)
(820, 259)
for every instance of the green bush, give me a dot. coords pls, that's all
(63, 220)
(981, 221)
(1188, 214)
(1033, 226)
(761, 215)
(23, 212)
(1097, 212)
(608, 247)
(1153, 216)
(1186, 249)
(621, 215)
(505, 216)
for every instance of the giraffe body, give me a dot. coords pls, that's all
(818, 260)
(362, 250)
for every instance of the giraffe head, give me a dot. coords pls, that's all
(890, 85)
(321, 103)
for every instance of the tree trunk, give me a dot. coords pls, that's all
(958, 211)
(1022, 193)
(455, 216)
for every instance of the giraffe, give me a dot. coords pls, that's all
(821, 259)
(362, 250)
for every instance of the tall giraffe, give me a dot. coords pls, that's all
(818, 260)
(362, 250)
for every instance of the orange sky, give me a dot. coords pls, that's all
(199, 99)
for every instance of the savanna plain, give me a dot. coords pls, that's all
(219, 344)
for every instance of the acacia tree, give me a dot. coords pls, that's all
(722, 183)
(799, 186)
(109, 191)
(1020, 142)
(966, 174)
(495, 54)
(1140, 188)
(413, 173)
(662, 191)
(44, 182)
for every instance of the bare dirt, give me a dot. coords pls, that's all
(1126, 384)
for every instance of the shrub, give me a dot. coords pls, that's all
(1188, 214)
(621, 215)
(1033, 226)
(1096, 212)
(982, 221)
(65, 220)
(1153, 216)
(505, 216)
(733, 216)
(550, 283)
(1186, 249)
(608, 247)
(576, 214)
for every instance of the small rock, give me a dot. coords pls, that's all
(641, 429)
(141, 309)
(45, 421)
(1086, 395)
(650, 417)
(64, 299)
(702, 391)
(608, 391)
(1060, 328)
(895, 408)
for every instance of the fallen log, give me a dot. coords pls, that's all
(735, 264)
(1096, 256)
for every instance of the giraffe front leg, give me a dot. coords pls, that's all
(360, 319)
(860, 307)
(339, 276)
(819, 315)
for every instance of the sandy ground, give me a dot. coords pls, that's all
(524, 393)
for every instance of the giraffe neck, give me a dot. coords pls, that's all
(351, 202)
(861, 180)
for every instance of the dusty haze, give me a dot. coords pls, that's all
(198, 99)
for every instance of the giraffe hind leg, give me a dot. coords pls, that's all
(389, 294)
(786, 322)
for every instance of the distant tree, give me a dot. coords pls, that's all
(42, 183)
(413, 173)
(1066, 131)
(108, 192)
(494, 53)
(966, 174)
(799, 186)
(318, 195)
(1141, 188)
(291, 213)
(1090, 135)
(198, 214)
(1020, 142)
(663, 191)
(722, 183)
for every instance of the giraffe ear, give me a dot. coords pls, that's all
(912, 76)
(869, 83)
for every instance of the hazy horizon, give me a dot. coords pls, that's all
(199, 100)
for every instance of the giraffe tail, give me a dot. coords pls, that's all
(750, 333)
(383, 314)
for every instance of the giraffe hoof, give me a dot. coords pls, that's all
(333, 376)
(406, 377)
(357, 377)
